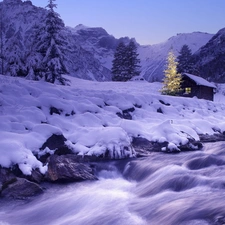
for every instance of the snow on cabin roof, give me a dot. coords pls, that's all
(200, 80)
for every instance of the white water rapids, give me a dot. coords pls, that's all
(162, 189)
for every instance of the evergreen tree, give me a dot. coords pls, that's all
(33, 56)
(172, 80)
(15, 54)
(133, 63)
(125, 63)
(118, 63)
(51, 46)
(1, 41)
(184, 60)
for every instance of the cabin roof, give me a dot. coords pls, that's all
(199, 80)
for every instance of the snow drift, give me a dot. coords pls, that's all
(90, 116)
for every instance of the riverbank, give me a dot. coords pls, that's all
(65, 167)
(173, 189)
(54, 133)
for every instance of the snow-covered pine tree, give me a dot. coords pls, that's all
(34, 56)
(118, 63)
(184, 60)
(1, 41)
(51, 45)
(172, 80)
(14, 48)
(132, 61)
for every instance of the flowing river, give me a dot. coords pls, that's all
(162, 189)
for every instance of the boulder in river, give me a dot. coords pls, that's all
(144, 147)
(20, 188)
(56, 145)
(65, 168)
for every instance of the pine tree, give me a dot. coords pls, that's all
(15, 54)
(133, 63)
(1, 41)
(118, 63)
(125, 62)
(33, 55)
(172, 80)
(51, 46)
(184, 60)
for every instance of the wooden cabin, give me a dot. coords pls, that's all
(197, 86)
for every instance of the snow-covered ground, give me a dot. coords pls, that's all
(89, 118)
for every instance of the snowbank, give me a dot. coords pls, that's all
(91, 116)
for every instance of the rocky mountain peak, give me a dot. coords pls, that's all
(209, 59)
(21, 18)
(91, 49)
(153, 58)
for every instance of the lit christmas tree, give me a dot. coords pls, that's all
(172, 80)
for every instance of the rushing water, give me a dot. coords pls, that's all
(162, 189)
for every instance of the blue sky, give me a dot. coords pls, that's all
(149, 21)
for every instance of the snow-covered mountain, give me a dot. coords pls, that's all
(90, 50)
(210, 58)
(20, 17)
(153, 57)
(97, 41)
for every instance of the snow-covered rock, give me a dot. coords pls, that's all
(90, 122)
